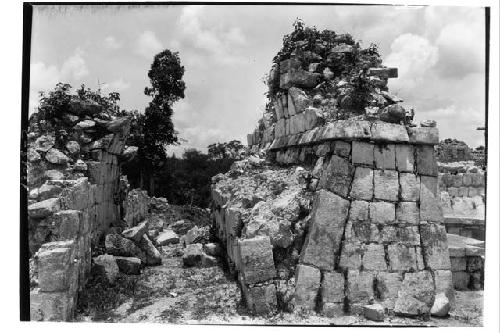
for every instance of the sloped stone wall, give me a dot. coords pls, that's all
(75, 196)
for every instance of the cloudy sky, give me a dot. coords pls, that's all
(226, 50)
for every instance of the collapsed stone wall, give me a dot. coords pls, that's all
(75, 195)
(453, 150)
(467, 262)
(362, 222)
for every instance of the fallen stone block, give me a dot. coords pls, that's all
(54, 156)
(374, 312)
(129, 265)
(121, 246)
(441, 306)
(167, 237)
(44, 208)
(212, 249)
(135, 233)
(153, 256)
(105, 265)
(192, 255)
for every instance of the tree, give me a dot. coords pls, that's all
(226, 150)
(154, 130)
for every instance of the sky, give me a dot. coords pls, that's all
(227, 50)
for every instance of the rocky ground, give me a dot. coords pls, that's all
(172, 293)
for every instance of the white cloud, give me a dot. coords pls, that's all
(413, 55)
(112, 43)
(148, 45)
(218, 43)
(44, 77)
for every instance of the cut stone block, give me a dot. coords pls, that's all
(409, 186)
(374, 257)
(435, 246)
(382, 212)
(44, 208)
(55, 260)
(374, 312)
(408, 213)
(342, 148)
(416, 295)
(359, 211)
(307, 285)
(361, 231)
(401, 257)
(383, 131)
(387, 286)
(359, 286)
(362, 153)
(337, 176)
(385, 156)
(333, 310)
(260, 299)
(386, 185)
(332, 287)
(106, 266)
(362, 184)
(424, 135)
(430, 209)
(405, 158)
(426, 161)
(350, 256)
(256, 259)
(444, 284)
(326, 228)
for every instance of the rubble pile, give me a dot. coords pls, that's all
(75, 193)
(338, 211)
(453, 150)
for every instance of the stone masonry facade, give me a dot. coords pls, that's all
(374, 232)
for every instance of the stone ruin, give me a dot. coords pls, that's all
(338, 210)
(76, 194)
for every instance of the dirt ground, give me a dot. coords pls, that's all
(170, 293)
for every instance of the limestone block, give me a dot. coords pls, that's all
(416, 295)
(129, 265)
(430, 209)
(461, 280)
(474, 263)
(284, 104)
(298, 99)
(362, 184)
(54, 265)
(342, 148)
(362, 153)
(385, 156)
(386, 185)
(337, 176)
(409, 186)
(66, 224)
(426, 161)
(50, 306)
(361, 231)
(382, 212)
(359, 211)
(44, 208)
(401, 257)
(311, 118)
(383, 131)
(332, 288)
(326, 227)
(120, 246)
(106, 266)
(322, 149)
(307, 285)
(359, 286)
(255, 258)
(387, 287)
(350, 256)
(424, 135)
(383, 72)
(407, 213)
(444, 284)
(333, 310)
(260, 299)
(478, 179)
(135, 233)
(278, 107)
(405, 158)
(374, 257)
(435, 246)
(299, 78)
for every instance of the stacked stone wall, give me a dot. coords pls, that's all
(75, 197)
